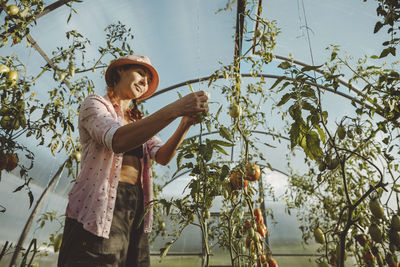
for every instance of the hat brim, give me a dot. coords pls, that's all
(126, 61)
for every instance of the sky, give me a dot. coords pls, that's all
(186, 39)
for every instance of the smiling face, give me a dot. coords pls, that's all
(134, 81)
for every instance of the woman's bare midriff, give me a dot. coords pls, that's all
(130, 169)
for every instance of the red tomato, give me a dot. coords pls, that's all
(264, 262)
(272, 263)
(252, 172)
(236, 180)
(262, 229)
(263, 258)
(258, 214)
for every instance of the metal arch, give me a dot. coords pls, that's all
(172, 87)
(350, 87)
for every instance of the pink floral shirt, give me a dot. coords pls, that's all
(92, 198)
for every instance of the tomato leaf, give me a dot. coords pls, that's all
(384, 52)
(285, 98)
(218, 112)
(30, 198)
(378, 26)
(308, 68)
(277, 81)
(164, 250)
(18, 188)
(221, 143)
(224, 132)
(220, 149)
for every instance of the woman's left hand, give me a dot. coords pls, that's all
(191, 120)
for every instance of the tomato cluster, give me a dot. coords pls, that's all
(261, 228)
(239, 181)
(256, 232)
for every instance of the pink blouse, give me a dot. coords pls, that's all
(92, 198)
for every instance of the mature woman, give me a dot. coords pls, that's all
(103, 224)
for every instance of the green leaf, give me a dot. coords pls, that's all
(220, 149)
(307, 106)
(164, 250)
(392, 50)
(209, 126)
(313, 143)
(384, 52)
(208, 153)
(218, 112)
(220, 142)
(18, 188)
(294, 134)
(179, 160)
(284, 65)
(378, 26)
(285, 98)
(225, 133)
(333, 56)
(30, 198)
(277, 81)
(308, 68)
(321, 133)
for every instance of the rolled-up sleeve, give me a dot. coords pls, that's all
(153, 145)
(96, 119)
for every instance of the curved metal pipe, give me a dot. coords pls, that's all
(271, 76)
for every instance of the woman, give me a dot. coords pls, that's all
(104, 225)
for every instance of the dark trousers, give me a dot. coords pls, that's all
(128, 245)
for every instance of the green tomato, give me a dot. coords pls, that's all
(71, 69)
(341, 132)
(4, 69)
(77, 155)
(235, 111)
(5, 122)
(12, 76)
(13, 10)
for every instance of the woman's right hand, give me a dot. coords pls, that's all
(191, 104)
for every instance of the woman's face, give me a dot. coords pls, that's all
(134, 81)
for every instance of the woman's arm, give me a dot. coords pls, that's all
(134, 134)
(167, 151)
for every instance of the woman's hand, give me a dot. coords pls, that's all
(191, 120)
(191, 104)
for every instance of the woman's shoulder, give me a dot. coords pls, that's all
(92, 97)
